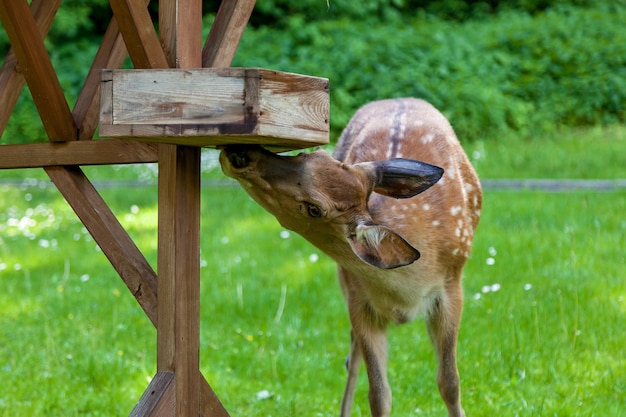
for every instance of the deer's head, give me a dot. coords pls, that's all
(325, 200)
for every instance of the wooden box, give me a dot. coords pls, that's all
(215, 106)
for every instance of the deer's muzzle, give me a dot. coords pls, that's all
(238, 156)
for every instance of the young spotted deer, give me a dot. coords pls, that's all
(399, 228)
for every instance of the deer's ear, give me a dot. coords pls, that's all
(400, 177)
(382, 247)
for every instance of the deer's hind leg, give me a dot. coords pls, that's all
(443, 326)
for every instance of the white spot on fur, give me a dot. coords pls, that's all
(427, 138)
(436, 222)
(426, 207)
(455, 210)
(390, 151)
(451, 170)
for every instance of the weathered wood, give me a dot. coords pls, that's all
(226, 32)
(210, 404)
(159, 399)
(215, 106)
(178, 330)
(104, 152)
(111, 54)
(180, 28)
(11, 78)
(139, 34)
(109, 234)
(37, 69)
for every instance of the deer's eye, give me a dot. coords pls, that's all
(313, 210)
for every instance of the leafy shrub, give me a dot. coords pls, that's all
(512, 72)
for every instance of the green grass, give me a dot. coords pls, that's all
(542, 334)
(594, 153)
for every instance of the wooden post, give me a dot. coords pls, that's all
(178, 328)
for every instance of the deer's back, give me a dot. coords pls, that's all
(441, 221)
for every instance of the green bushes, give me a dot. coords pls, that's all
(509, 73)
(527, 72)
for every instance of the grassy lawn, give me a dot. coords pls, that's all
(543, 328)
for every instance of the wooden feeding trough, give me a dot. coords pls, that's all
(181, 96)
(215, 106)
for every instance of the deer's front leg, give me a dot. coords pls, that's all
(370, 336)
(353, 364)
(443, 327)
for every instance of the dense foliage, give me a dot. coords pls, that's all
(493, 67)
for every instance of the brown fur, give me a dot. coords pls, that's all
(397, 258)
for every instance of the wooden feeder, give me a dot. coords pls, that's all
(181, 95)
(215, 106)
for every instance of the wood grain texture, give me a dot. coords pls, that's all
(139, 34)
(177, 96)
(226, 32)
(216, 106)
(180, 27)
(159, 399)
(178, 330)
(11, 78)
(104, 152)
(37, 69)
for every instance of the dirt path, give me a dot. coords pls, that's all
(554, 185)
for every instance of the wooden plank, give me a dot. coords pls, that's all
(180, 27)
(216, 106)
(159, 399)
(139, 34)
(109, 234)
(177, 96)
(111, 54)
(11, 78)
(105, 152)
(210, 405)
(37, 69)
(178, 331)
(291, 102)
(226, 32)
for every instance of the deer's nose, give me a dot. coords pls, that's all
(239, 158)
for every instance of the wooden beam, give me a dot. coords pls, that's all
(11, 78)
(139, 34)
(178, 330)
(109, 234)
(180, 27)
(37, 69)
(111, 54)
(100, 152)
(226, 32)
(159, 399)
